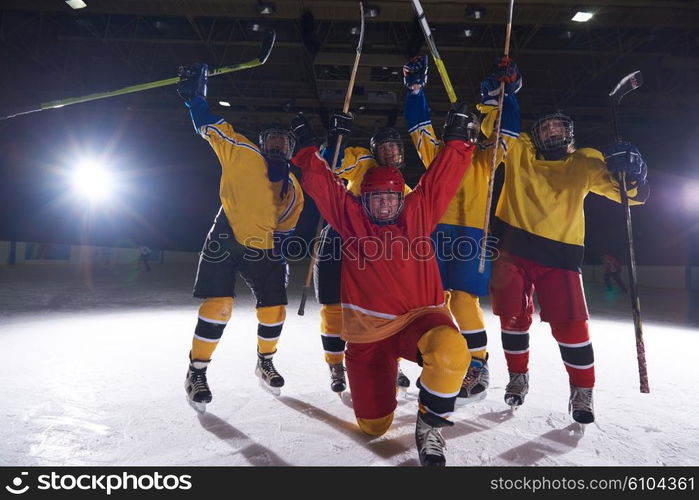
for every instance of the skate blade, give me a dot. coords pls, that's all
(274, 391)
(198, 407)
(470, 400)
(346, 398)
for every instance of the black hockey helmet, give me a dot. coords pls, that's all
(553, 134)
(277, 143)
(394, 156)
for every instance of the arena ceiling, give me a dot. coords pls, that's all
(50, 51)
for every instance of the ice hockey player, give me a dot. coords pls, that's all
(392, 299)
(540, 226)
(352, 163)
(260, 199)
(458, 235)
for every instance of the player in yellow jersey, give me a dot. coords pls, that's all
(352, 163)
(261, 203)
(541, 229)
(457, 237)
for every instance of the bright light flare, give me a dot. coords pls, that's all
(92, 181)
(582, 17)
(690, 197)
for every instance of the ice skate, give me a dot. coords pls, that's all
(516, 389)
(429, 440)
(270, 379)
(338, 382)
(196, 386)
(580, 404)
(475, 383)
(402, 382)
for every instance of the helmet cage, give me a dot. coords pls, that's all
(383, 136)
(280, 149)
(552, 143)
(375, 218)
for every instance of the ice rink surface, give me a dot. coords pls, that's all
(94, 363)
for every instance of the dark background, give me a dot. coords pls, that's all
(169, 176)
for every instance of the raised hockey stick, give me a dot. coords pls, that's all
(336, 154)
(265, 50)
(433, 50)
(491, 181)
(626, 85)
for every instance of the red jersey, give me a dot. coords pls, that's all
(389, 272)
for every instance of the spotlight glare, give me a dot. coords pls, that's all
(582, 17)
(91, 181)
(225, 104)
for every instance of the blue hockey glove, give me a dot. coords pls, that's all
(303, 131)
(193, 81)
(415, 73)
(625, 157)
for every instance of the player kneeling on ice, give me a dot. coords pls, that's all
(540, 225)
(261, 203)
(391, 293)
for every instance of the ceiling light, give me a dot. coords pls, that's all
(225, 104)
(468, 32)
(255, 27)
(76, 4)
(265, 8)
(354, 30)
(371, 12)
(582, 17)
(567, 34)
(475, 12)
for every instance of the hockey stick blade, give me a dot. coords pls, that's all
(626, 85)
(265, 50)
(422, 20)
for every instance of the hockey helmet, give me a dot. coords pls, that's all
(553, 134)
(382, 194)
(393, 152)
(277, 143)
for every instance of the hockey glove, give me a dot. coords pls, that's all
(193, 81)
(340, 123)
(303, 131)
(625, 157)
(415, 73)
(461, 124)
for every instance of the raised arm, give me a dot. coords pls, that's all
(441, 181)
(334, 202)
(417, 111)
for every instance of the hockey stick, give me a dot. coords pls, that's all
(265, 50)
(491, 181)
(345, 109)
(626, 85)
(433, 50)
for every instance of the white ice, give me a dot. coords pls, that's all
(92, 374)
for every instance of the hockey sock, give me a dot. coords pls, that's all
(269, 328)
(330, 330)
(578, 357)
(468, 314)
(214, 314)
(515, 342)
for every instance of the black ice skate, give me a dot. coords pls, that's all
(580, 404)
(429, 440)
(196, 386)
(516, 389)
(338, 383)
(476, 381)
(270, 379)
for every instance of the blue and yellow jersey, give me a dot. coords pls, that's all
(467, 208)
(252, 203)
(353, 163)
(540, 212)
